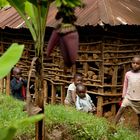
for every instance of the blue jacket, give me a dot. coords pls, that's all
(16, 88)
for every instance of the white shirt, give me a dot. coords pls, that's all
(84, 104)
(71, 88)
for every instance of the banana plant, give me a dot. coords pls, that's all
(34, 13)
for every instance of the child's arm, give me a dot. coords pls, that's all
(73, 95)
(125, 85)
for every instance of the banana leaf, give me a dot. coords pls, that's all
(10, 58)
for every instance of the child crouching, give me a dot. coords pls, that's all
(83, 100)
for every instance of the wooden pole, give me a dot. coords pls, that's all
(1, 85)
(8, 84)
(45, 91)
(62, 93)
(53, 94)
(99, 106)
(114, 90)
(101, 90)
(1, 80)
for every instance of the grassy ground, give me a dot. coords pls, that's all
(62, 123)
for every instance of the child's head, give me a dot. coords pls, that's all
(136, 63)
(17, 72)
(77, 79)
(81, 90)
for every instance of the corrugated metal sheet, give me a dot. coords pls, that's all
(113, 12)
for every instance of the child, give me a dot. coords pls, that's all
(18, 85)
(71, 92)
(83, 100)
(131, 90)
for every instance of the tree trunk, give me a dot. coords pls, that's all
(40, 127)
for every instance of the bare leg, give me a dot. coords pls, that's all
(119, 114)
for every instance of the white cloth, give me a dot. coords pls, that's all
(84, 104)
(68, 99)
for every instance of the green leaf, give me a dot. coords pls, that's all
(44, 14)
(58, 3)
(3, 3)
(31, 119)
(64, 2)
(31, 11)
(19, 5)
(10, 58)
(7, 133)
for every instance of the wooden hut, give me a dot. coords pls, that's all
(109, 38)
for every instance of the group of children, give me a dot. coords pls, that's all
(77, 96)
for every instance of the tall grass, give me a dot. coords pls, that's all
(11, 111)
(79, 125)
(85, 126)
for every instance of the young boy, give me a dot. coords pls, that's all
(83, 100)
(131, 90)
(71, 92)
(18, 85)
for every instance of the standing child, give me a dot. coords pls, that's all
(83, 100)
(18, 85)
(131, 90)
(71, 92)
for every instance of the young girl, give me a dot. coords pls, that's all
(71, 92)
(83, 100)
(131, 90)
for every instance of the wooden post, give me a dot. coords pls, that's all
(45, 91)
(114, 90)
(85, 67)
(1, 85)
(99, 106)
(1, 80)
(62, 93)
(8, 84)
(101, 90)
(53, 94)
(74, 69)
